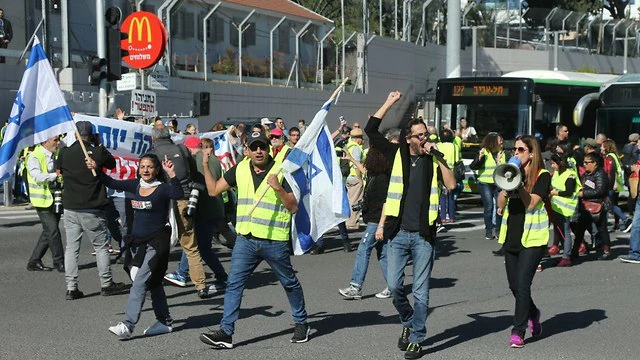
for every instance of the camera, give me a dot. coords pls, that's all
(340, 154)
(192, 204)
(357, 206)
(57, 201)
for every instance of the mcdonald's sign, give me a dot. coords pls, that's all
(145, 41)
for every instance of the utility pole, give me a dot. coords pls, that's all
(453, 39)
(102, 54)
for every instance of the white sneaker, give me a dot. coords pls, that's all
(158, 329)
(384, 294)
(351, 292)
(121, 330)
(216, 288)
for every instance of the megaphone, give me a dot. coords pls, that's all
(507, 176)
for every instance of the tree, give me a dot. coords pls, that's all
(616, 8)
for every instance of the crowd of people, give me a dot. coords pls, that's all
(402, 188)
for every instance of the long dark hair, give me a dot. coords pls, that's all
(162, 176)
(536, 162)
(376, 163)
(491, 143)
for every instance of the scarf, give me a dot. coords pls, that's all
(149, 185)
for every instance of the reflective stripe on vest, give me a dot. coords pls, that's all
(270, 219)
(565, 206)
(39, 193)
(396, 187)
(450, 151)
(535, 231)
(619, 174)
(485, 173)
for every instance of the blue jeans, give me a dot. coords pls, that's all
(562, 231)
(137, 296)
(489, 196)
(247, 254)
(204, 232)
(634, 241)
(367, 243)
(615, 209)
(404, 245)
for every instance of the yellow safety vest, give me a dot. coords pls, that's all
(396, 188)
(350, 145)
(619, 174)
(565, 206)
(450, 151)
(485, 173)
(39, 193)
(282, 153)
(271, 219)
(536, 225)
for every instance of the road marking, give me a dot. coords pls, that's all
(19, 217)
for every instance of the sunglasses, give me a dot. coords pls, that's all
(255, 147)
(275, 136)
(418, 136)
(521, 149)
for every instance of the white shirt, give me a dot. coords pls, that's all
(34, 167)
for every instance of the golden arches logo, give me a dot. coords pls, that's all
(139, 26)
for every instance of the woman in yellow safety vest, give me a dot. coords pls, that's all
(524, 233)
(565, 186)
(489, 156)
(614, 172)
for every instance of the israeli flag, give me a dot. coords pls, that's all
(312, 170)
(39, 111)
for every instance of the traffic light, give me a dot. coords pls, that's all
(115, 54)
(201, 103)
(97, 70)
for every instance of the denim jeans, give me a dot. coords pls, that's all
(138, 292)
(93, 222)
(447, 205)
(404, 245)
(521, 267)
(366, 246)
(489, 196)
(204, 231)
(247, 254)
(562, 231)
(615, 209)
(50, 237)
(634, 241)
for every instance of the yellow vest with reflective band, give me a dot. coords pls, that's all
(39, 193)
(350, 145)
(458, 142)
(485, 173)
(536, 225)
(271, 219)
(573, 164)
(619, 174)
(565, 206)
(396, 187)
(450, 151)
(282, 153)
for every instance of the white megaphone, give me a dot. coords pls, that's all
(507, 176)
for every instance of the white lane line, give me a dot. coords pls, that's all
(19, 217)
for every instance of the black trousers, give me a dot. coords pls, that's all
(584, 222)
(521, 268)
(50, 237)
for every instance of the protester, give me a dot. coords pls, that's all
(43, 181)
(262, 235)
(354, 181)
(6, 34)
(633, 257)
(279, 123)
(524, 233)
(614, 172)
(564, 202)
(191, 130)
(148, 245)
(377, 170)
(185, 168)
(294, 136)
(451, 153)
(489, 156)
(595, 185)
(466, 132)
(412, 194)
(84, 201)
(302, 126)
(278, 145)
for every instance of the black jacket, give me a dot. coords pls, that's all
(8, 30)
(389, 149)
(184, 164)
(598, 192)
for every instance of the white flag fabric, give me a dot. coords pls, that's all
(39, 111)
(312, 170)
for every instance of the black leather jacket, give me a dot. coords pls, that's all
(595, 185)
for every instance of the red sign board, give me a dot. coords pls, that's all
(146, 39)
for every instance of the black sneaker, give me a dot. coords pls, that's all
(403, 341)
(74, 294)
(300, 333)
(203, 293)
(499, 252)
(218, 339)
(414, 351)
(114, 289)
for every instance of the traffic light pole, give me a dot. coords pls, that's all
(102, 54)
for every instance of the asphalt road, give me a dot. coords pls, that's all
(589, 311)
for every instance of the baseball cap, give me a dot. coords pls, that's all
(192, 142)
(265, 121)
(591, 142)
(257, 137)
(277, 132)
(85, 128)
(634, 137)
(356, 132)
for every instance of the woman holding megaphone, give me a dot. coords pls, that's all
(524, 233)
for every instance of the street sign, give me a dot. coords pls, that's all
(158, 81)
(129, 82)
(143, 103)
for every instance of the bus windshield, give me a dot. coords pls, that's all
(618, 123)
(509, 120)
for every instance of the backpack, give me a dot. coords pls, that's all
(183, 163)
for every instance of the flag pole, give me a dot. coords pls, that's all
(84, 150)
(264, 192)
